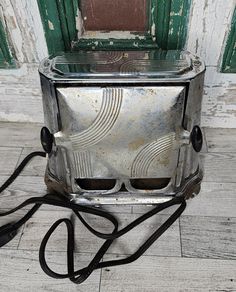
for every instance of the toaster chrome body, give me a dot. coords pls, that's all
(122, 125)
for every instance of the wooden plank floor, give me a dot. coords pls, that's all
(198, 253)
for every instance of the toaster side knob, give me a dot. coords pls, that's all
(196, 138)
(46, 139)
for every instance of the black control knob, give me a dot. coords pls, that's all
(196, 138)
(46, 140)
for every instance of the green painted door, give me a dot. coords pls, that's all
(6, 59)
(229, 58)
(167, 27)
(59, 22)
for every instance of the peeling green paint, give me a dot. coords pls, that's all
(167, 27)
(172, 21)
(115, 44)
(59, 21)
(229, 58)
(153, 18)
(6, 59)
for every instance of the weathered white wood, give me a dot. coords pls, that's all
(23, 188)
(209, 25)
(219, 100)
(215, 199)
(167, 245)
(13, 244)
(204, 146)
(24, 29)
(141, 209)
(36, 166)
(35, 229)
(21, 109)
(27, 14)
(208, 237)
(20, 89)
(25, 75)
(20, 271)
(20, 99)
(13, 29)
(221, 140)
(17, 134)
(208, 29)
(117, 209)
(8, 159)
(152, 274)
(219, 167)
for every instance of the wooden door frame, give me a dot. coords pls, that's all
(168, 20)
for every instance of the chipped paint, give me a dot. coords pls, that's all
(6, 59)
(50, 25)
(229, 57)
(153, 29)
(24, 28)
(112, 34)
(153, 21)
(13, 30)
(65, 16)
(172, 23)
(212, 22)
(219, 102)
(120, 39)
(79, 23)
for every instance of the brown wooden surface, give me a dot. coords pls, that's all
(114, 15)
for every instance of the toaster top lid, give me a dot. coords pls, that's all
(144, 64)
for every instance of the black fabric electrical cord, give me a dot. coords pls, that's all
(8, 231)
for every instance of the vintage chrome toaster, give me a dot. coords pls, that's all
(122, 127)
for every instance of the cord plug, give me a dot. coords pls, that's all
(6, 233)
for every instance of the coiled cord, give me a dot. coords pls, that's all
(81, 275)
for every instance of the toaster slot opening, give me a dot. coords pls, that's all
(149, 183)
(92, 184)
